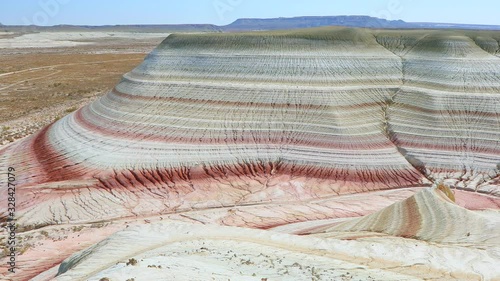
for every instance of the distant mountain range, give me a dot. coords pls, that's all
(250, 24)
(351, 21)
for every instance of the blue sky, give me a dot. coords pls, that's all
(221, 12)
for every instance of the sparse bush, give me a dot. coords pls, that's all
(24, 248)
(71, 109)
(97, 225)
(4, 253)
(77, 228)
(132, 261)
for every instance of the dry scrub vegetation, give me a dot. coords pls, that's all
(41, 85)
(38, 88)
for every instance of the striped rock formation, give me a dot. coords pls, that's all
(265, 130)
(196, 252)
(227, 119)
(429, 215)
(445, 117)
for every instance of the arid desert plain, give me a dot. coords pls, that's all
(329, 153)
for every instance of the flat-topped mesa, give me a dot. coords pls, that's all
(227, 119)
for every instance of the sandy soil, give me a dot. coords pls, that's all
(43, 77)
